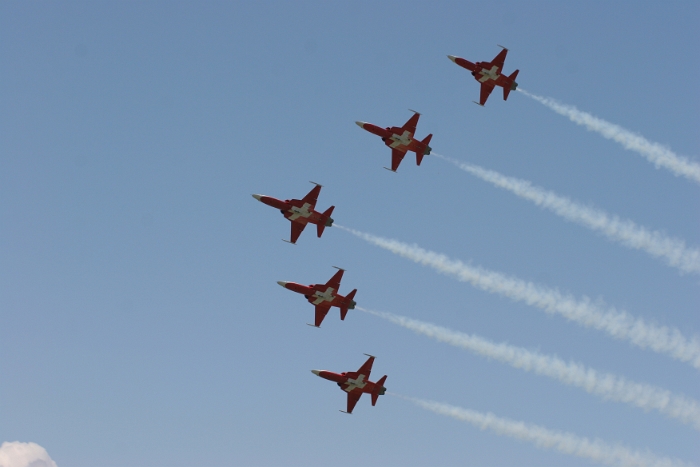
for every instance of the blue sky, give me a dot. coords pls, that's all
(142, 322)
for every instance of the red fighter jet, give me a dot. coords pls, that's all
(324, 296)
(301, 212)
(489, 75)
(400, 140)
(356, 383)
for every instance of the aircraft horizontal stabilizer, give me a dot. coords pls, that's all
(350, 297)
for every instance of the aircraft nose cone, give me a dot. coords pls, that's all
(282, 283)
(257, 197)
(360, 124)
(316, 372)
(452, 57)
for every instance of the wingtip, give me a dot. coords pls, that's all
(339, 269)
(370, 355)
(317, 184)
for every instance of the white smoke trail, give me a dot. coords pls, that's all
(619, 324)
(566, 443)
(657, 154)
(605, 385)
(673, 250)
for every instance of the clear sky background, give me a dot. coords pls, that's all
(141, 322)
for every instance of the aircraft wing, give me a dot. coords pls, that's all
(366, 368)
(486, 89)
(335, 280)
(500, 59)
(312, 196)
(353, 397)
(321, 312)
(411, 124)
(297, 229)
(396, 158)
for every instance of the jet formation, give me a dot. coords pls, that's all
(301, 212)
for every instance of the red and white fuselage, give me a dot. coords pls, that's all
(397, 138)
(324, 296)
(301, 212)
(401, 140)
(356, 383)
(489, 74)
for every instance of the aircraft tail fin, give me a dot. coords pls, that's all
(513, 85)
(426, 141)
(329, 221)
(351, 306)
(379, 391)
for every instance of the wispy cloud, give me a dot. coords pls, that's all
(659, 155)
(605, 385)
(584, 311)
(17, 454)
(566, 443)
(624, 231)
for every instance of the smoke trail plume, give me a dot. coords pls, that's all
(567, 443)
(605, 385)
(619, 324)
(672, 250)
(659, 155)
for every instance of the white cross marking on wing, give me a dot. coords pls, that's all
(403, 139)
(326, 296)
(489, 74)
(300, 212)
(355, 383)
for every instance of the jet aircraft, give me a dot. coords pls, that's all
(489, 75)
(301, 212)
(356, 383)
(324, 296)
(400, 140)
